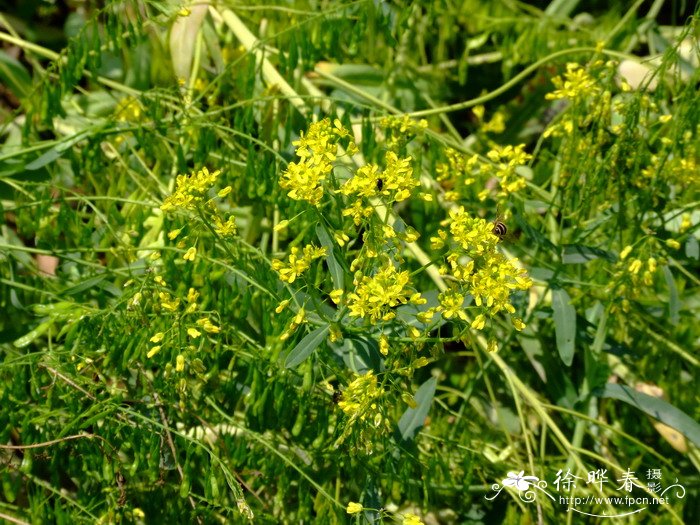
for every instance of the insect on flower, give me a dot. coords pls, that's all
(500, 229)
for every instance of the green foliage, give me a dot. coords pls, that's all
(333, 262)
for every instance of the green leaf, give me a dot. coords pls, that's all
(564, 324)
(412, 420)
(578, 254)
(333, 265)
(673, 302)
(14, 76)
(657, 408)
(306, 346)
(86, 284)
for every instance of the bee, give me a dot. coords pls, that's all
(337, 396)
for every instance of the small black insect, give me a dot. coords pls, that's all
(380, 184)
(337, 396)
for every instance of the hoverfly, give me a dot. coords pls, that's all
(500, 229)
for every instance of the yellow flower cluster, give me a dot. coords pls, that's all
(575, 82)
(497, 124)
(492, 284)
(317, 151)
(401, 130)
(477, 268)
(459, 173)
(128, 109)
(361, 403)
(179, 318)
(456, 174)
(630, 276)
(506, 161)
(297, 263)
(376, 296)
(394, 184)
(475, 235)
(190, 190)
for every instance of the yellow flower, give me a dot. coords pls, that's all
(411, 519)
(225, 191)
(167, 303)
(518, 324)
(227, 228)
(208, 326)
(281, 225)
(479, 322)
(625, 252)
(354, 508)
(297, 263)
(190, 190)
(384, 345)
(376, 296)
(635, 266)
(190, 254)
(153, 351)
(179, 363)
(576, 82)
(336, 295)
(281, 306)
(193, 333)
(420, 362)
(673, 243)
(174, 233)
(685, 222)
(157, 338)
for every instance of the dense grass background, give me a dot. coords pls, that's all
(158, 367)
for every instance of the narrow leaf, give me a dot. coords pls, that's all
(333, 264)
(657, 408)
(673, 302)
(564, 324)
(412, 420)
(306, 346)
(14, 75)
